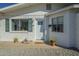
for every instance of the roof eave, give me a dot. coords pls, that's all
(15, 6)
(63, 9)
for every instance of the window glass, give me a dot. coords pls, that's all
(21, 24)
(15, 25)
(60, 20)
(24, 25)
(54, 24)
(40, 22)
(57, 24)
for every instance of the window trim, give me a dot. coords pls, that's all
(17, 31)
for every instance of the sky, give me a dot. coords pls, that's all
(2, 5)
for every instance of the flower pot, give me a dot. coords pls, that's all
(52, 43)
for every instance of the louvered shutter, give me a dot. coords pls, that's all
(30, 25)
(7, 25)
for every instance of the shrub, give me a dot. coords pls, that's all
(15, 40)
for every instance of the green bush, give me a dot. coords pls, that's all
(15, 40)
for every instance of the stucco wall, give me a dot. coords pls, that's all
(66, 38)
(9, 36)
(21, 35)
(72, 28)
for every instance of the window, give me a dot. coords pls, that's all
(15, 25)
(21, 24)
(40, 22)
(54, 24)
(57, 24)
(48, 6)
(24, 25)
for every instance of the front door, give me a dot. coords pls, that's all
(39, 29)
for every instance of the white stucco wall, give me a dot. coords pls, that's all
(21, 35)
(72, 28)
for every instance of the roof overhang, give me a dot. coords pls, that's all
(74, 6)
(7, 10)
(15, 6)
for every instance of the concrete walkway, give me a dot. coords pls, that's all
(18, 49)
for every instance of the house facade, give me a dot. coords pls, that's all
(41, 22)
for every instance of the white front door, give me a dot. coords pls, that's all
(39, 29)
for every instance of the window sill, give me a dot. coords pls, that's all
(19, 31)
(58, 32)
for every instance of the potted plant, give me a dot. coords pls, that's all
(15, 40)
(24, 41)
(53, 42)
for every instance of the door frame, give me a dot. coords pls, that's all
(36, 21)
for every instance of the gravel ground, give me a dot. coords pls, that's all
(11, 49)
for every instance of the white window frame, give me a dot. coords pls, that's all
(10, 25)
